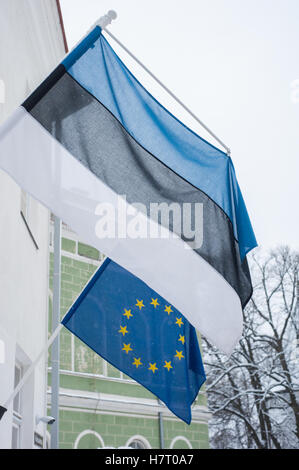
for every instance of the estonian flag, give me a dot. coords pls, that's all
(90, 133)
(137, 331)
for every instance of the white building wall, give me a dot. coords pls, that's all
(31, 45)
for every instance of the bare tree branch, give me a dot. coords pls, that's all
(254, 395)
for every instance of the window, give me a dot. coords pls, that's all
(138, 442)
(17, 410)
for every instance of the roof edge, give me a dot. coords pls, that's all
(62, 25)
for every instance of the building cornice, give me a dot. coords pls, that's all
(93, 402)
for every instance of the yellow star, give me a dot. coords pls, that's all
(123, 330)
(127, 347)
(139, 304)
(179, 322)
(168, 365)
(128, 314)
(153, 367)
(179, 355)
(168, 309)
(154, 302)
(137, 362)
(182, 339)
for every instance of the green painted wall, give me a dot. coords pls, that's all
(116, 429)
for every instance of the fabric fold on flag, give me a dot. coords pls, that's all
(140, 333)
(92, 134)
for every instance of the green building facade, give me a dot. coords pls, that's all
(99, 405)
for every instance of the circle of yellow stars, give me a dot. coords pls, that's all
(127, 347)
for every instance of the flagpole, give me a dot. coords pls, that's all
(29, 371)
(227, 149)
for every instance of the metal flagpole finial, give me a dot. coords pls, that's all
(107, 19)
(102, 22)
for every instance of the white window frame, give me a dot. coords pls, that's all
(180, 438)
(87, 432)
(17, 417)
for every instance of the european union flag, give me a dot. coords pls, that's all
(140, 333)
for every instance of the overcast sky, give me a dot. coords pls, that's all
(235, 64)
